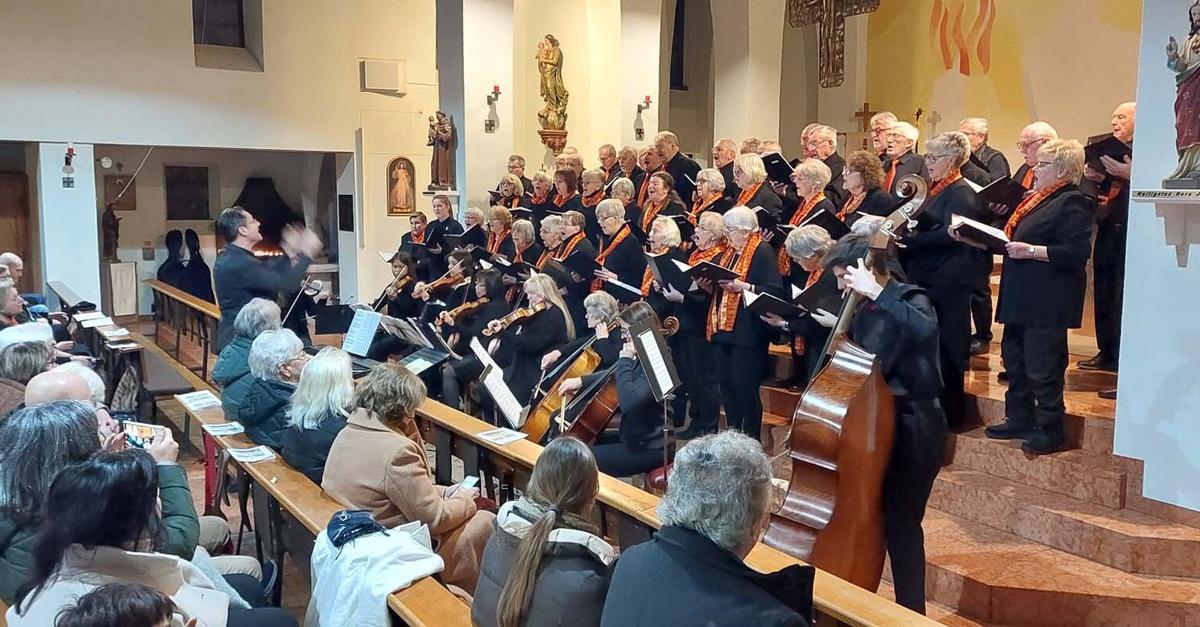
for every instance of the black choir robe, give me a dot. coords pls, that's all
(592, 226)
(731, 189)
(907, 163)
(577, 291)
(682, 168)
(574, 203)
(531, 254)
(433, 235)
(422, 259)
(507, 247)
(636, 177)
(797, 275)
(476, 236)
(749, 331)
(876, 203)
(834, 190)
(527, 185)
(766, 198)
(611, 175)
(542, 333)
(628, 262)
(994, 161)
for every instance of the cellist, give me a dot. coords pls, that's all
(896, 321)
(602, 310)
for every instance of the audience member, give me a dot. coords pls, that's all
(276, 359)
(232, 369)
(120, 605)
(18, 364)
(318, 411)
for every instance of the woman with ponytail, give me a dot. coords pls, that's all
(546, 564)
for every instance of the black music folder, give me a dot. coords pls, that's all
(1106, 145)
(778, 169)
(710, 271)
(669, 271)
(763, 304)
(986, 234)
(1004, 191)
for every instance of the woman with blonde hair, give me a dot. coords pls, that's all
(500, 242)
(546, 564)
(591, 185)
(534, 337)
(318, 412)
(512, 192)
(378, 463)
(750, 175)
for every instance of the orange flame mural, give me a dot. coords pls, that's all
(946, 24)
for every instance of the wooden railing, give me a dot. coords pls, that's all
(183, 312)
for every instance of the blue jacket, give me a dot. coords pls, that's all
(263, 411)
(232, 373)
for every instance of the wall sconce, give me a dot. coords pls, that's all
(489, 124)
(639, 130)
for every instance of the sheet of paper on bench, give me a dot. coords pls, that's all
(196, 401)
(253, 454)
(224, 428)
(88, 315)
(361, 332)
(493, 382)
(502, 436)
(110, 334)
(97, 322)
(123, 345)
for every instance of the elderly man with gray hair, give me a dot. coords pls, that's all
(822, 142)
(276, 359)
(880, 123)
(232, 370)
(681, 167)
(987, 164)
(693, 571)
(902, 158)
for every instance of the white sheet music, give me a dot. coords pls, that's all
(361, 332)
(658, 365)
(97, 322)
(625, 286)
(493, 382)
(386, 257)
(88, 315)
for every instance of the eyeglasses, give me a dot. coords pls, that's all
(1022, 145)
(935, 158)
(1043, 164)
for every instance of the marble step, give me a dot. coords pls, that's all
(1124, 539)
(945, 615)
(996, 577)
(1085, 475)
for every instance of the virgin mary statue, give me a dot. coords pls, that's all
(1185, 62)
(550, 60)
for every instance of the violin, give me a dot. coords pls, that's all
(450, 279)
(518, 316)
(462, 309)
(397, 284)
(841, 441)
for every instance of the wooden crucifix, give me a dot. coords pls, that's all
(829, 16)
(864, 117)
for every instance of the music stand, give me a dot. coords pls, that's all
(656, 362)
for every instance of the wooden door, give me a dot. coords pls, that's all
(15, 224)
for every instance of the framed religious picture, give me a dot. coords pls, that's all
(402, 187)
(113, 185)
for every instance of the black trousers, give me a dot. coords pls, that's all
(742, 371)
(697, 371)
(1036, 361)
(916, 459)
(1108, 276)
(952, 304)
(259, 615)
(615, 458)
(981, 297)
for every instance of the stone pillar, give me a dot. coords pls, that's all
(747, 60)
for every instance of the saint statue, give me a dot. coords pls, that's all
(442, 138)
(400, 196)
(550, 60)
(1185, 62)
(110, 229)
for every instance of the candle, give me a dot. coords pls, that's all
(647, 99)
(495, 89)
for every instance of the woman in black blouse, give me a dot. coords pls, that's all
(468, 325)
(539, 334)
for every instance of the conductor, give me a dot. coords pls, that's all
(240, 276)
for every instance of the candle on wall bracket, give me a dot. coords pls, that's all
(492, 120)
(639, 128)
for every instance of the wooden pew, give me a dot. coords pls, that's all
(426, 602)
(177, 309)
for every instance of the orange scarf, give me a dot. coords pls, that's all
(512, 202)
(944, 183)
(891, 175)
(748, 193)
(648, 277)
(785, 262)
(520, 251)
(1114, 190)
(418, 239)
(651, 211)
(1027, 180)
(620, 236)
(593, 199)
(645, 188)
(813, 277)
(722, 313)
(560, 200)
(495, 239)
(539, 198)
(569, 246)
(546, 255)
(698, 256)
(699, 206)
(851, 206)
(1027, 206)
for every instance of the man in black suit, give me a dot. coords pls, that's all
(608, 163)
(516, 167)
(677, 164)
(627, 164)
(901, 159)
(880, 123)
(240, 276)
(723, 153)
(995, 165)
(822, 142)
(693, 571)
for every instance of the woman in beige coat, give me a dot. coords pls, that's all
(378, 463)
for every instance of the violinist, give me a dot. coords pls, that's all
(548, 325)
(897, 323)
(468, 322)
(638, 444)
(620, 255)
(449, 290)
(696, 359)
(742, 338)
(500, 241)
(566, 187)
(806, 246)
(592, 183)
(413, 244)
(396, 301)
(475, 234)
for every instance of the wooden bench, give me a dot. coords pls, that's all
(179, 310)
(293, 495)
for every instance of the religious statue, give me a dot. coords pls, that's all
(1185, 62)
(442, 137)
(401, 190)
(553, 116)
(110, 229)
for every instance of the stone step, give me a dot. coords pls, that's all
(994, 576)
(1126, 540)
(936, 611)
(1085, 475)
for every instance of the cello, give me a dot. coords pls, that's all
(841, 442)
(582, 362)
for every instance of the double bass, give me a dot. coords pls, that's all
(841, 442)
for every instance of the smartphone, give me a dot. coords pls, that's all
(139, 434)
(467, 484)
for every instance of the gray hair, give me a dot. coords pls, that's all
(977, 125)
(24, 361)
(866, 224)
(824, 131)
(595, 174)
(752, 165)
(1066, 154)
(325, 389)
(905, 130)
(257, 316)
(554, 223)
(1041, 130)
(602, 304)
(808, 241)
(953, 143)
(39, 441)
(610, 208)
(667, 231)
(26, 332)
(714, 178)
(524, 228)
(720, 488)
(475, 212)
(271, 350)
(741, 217)
(884, 117)
(93, 380)
(816, 171)
(622, 188)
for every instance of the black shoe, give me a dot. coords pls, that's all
(1043, 443)
(693, 432)
(1002, 376)
(1099, 362)
(978, 347)
(1110, 395)
(1010, 431)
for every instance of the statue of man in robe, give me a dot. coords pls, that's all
(441, 137)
